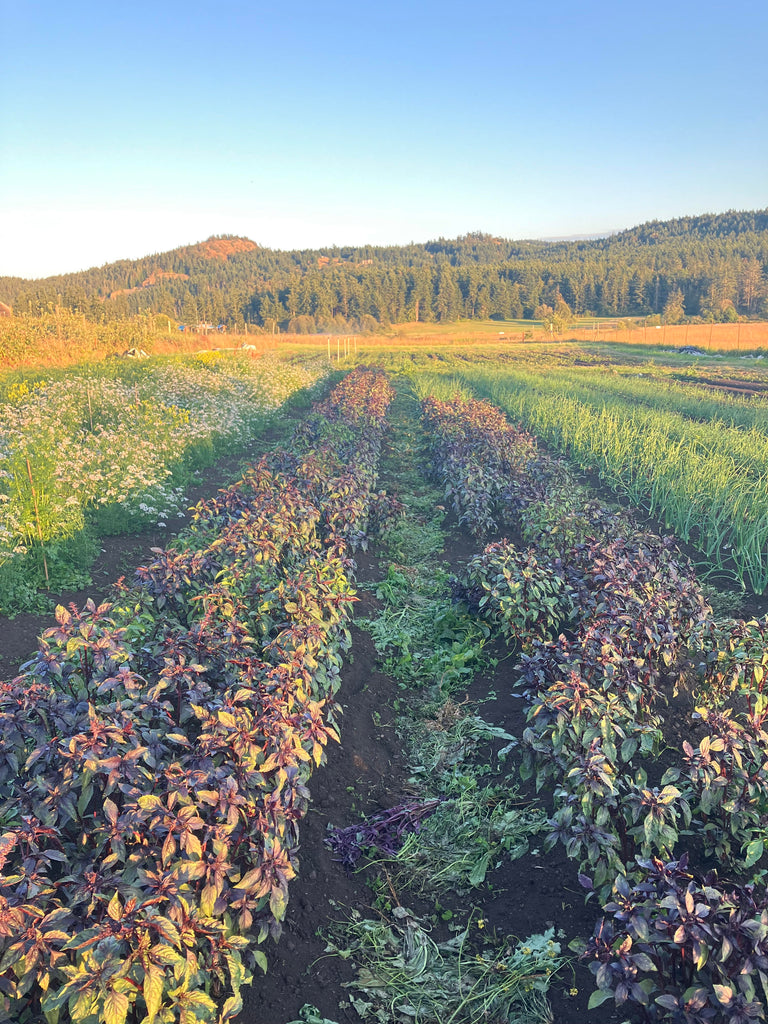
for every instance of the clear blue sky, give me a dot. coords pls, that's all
(132, 128)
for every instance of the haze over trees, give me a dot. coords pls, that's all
(712, 267)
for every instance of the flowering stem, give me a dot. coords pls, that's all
(37, 521)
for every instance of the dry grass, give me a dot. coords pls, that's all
(63, 338)
(738, 337)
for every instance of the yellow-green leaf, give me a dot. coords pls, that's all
(115, 1008)
(153, 990)
(114, 909)
(208, 900)
(277, 904)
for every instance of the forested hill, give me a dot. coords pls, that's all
(713, 266)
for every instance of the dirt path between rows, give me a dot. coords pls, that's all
(366, 774)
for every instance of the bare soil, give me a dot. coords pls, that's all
(743, 388)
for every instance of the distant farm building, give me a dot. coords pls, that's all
(5, 310)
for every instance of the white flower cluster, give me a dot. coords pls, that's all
(155, 506)
(108, 437)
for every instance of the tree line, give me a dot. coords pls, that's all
(712, 267)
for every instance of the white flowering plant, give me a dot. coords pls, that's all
(110, 447)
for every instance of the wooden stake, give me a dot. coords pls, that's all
(90, 410)
(37, 521)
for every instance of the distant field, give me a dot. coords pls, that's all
(64, 338)
(710, 337)
(738, 337)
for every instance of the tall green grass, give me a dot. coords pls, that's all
(707, 481)
(656, 388)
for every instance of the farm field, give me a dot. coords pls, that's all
(64, 338)
(732, 338)
(540, 701)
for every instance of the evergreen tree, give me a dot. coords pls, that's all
(674, 308)
(447, 294)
